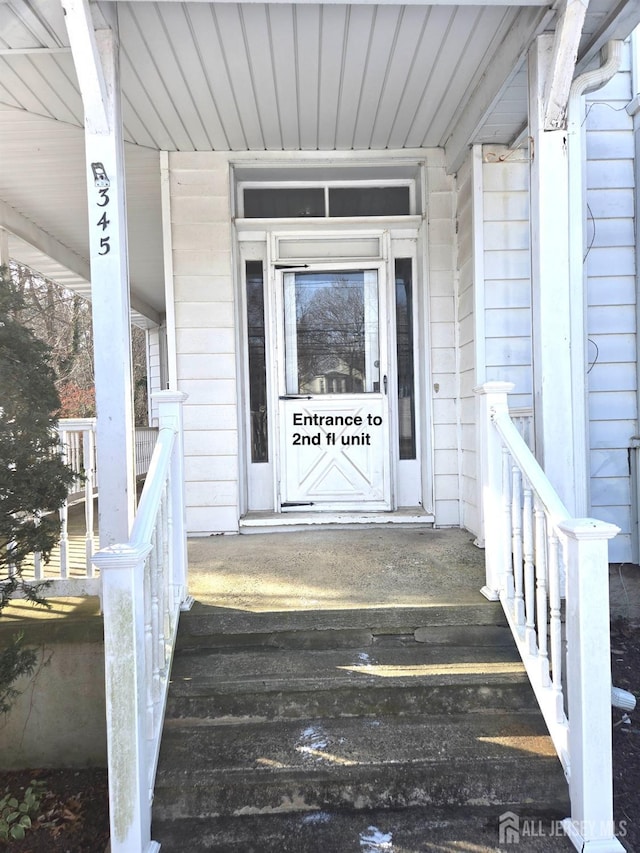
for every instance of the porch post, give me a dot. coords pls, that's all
(493, 398)
(553, 303)
(95, 54)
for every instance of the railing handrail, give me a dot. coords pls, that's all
(530, 466)
(143, 525)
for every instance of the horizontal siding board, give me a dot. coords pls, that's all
(206, 417)
(611, 348)
(513, 351)
(613, 144)
(209, 391)
(516, 322)
(609, 463)
(206, 520)
(611, 319)
(506, 235)
(507, 293)
(611, 434)
(511, 207)
(607, 174)
(209, 467)
(203, 288)
(502, 264)
(207, 366)
(608, 377)
(620, 290)
(501, 177)
(216, 443)
(612, 405)
(205, 340)
(611, 202)
(204, 314)
(608, 262)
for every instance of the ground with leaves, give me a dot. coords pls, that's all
(73, 816)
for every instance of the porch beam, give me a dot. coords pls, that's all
(509, 56)
(96, 57)
(563, 63)
(552, 303)
(87, 60)
(18, 224)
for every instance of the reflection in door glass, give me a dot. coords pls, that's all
(331, 328)
(257, 361)
(404, 337)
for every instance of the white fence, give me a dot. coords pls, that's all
(143, 589)
(540, 561)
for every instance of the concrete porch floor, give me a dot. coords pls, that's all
(335, 569)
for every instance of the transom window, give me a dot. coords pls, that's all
(265, 201)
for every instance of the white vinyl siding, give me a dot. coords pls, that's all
(611, 296)
(507, 270)
(205, 338)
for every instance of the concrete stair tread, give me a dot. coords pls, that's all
(413, 661)
(416, 830)
(201, 749)
(205, 620)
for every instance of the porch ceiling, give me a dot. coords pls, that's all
(260, 76)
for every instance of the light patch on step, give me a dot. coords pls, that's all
(317, 817)
(470, 668)
(534, 744)
(314, 742)
(373, 840)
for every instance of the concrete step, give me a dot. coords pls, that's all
(210, 770)
(392, 676)
(213, 627)
(416, 830)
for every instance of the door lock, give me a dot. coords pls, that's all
(385, 384)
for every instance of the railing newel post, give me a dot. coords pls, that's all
(122, 573)
(493, 398)
(591, 826)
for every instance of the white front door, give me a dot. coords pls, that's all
(333, 406)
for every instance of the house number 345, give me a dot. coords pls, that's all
(102, 184)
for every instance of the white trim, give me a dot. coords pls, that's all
(88, 63)
(169, 287)
(479, 316)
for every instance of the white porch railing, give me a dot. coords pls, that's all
(143, 589)
(536, 556)
(71, 569)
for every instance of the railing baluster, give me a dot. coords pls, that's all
(148, 643)
(555, 625)
(88, 442)
(506, 499)
(64, 540)
(516, 523)
(529, 574)
(541, 591)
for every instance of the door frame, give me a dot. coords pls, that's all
(361, 245)
(387, 400)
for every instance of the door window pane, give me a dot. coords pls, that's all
(331, 331)
(369, 201)
(257, 361)
(404, 336)
(275, 202)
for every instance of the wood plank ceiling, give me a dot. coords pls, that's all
(199, 76)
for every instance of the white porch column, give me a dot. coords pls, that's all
(557, 399)
(95, 54)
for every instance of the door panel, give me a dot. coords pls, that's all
(334, 410)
